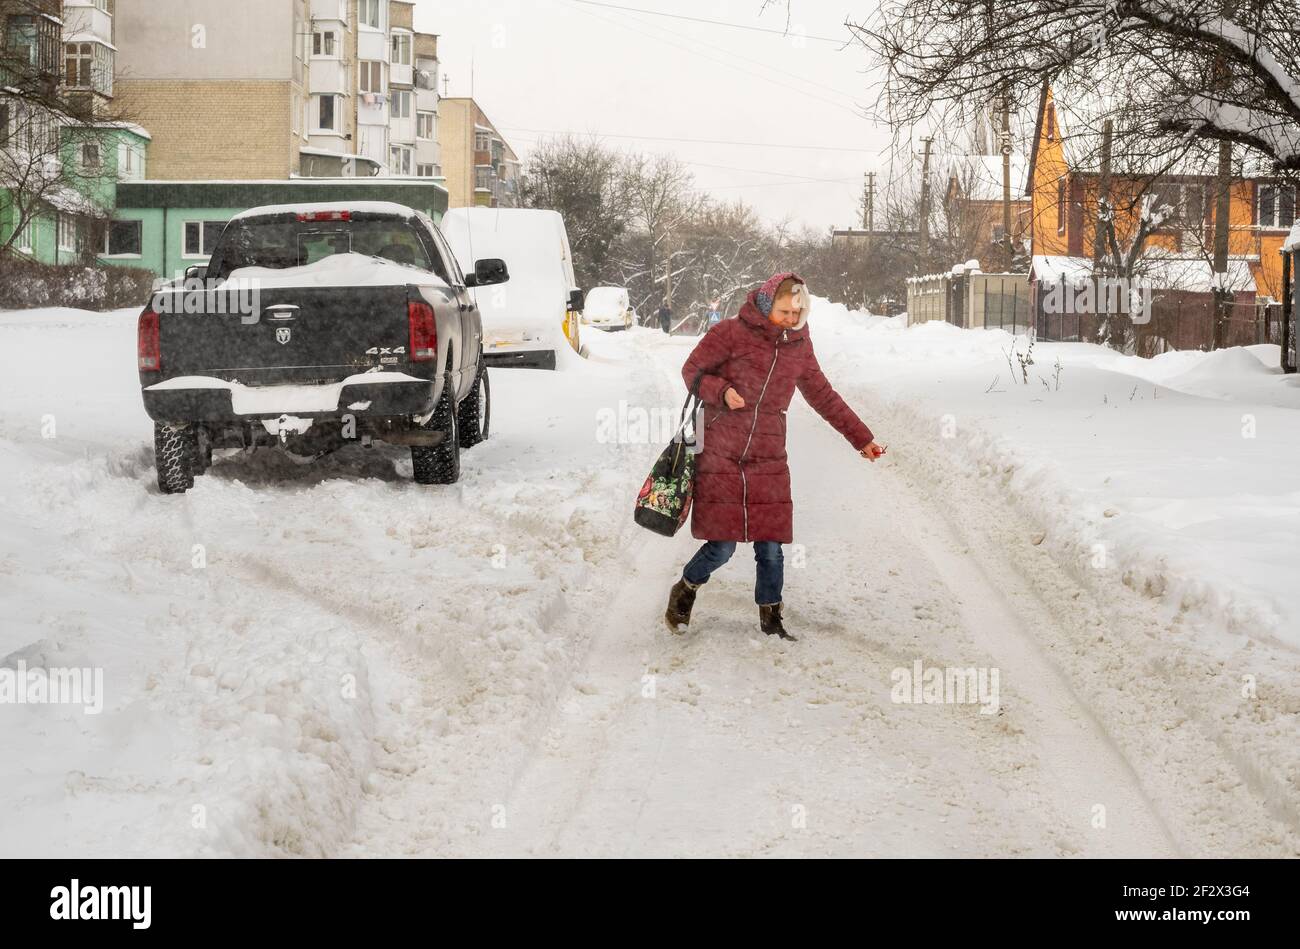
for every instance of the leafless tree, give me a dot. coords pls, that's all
(589, 183)
(1182, 72)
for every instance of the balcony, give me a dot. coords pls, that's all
(400, 75)
(328, 77)
(86, 22)
(336, 10)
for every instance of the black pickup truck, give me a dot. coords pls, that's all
(314, 327)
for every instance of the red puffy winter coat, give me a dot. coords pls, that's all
(742, 482)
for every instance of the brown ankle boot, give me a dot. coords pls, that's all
(680, 602)
(769, 620)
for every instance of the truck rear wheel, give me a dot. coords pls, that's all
(441, 463)
(476, 412)
(175, 448)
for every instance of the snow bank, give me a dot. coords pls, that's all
(1182, 467)
(286, 644)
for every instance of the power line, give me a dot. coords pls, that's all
(802, 179)
(694, 141)
(719, 62)
(797, 179)
(734, 26)
(714, 49)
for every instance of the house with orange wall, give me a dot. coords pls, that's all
(1064, 182)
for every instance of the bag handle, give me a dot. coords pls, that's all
(693, 396)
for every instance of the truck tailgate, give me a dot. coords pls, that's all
(310, 336)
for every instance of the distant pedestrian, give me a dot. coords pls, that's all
(665, 316)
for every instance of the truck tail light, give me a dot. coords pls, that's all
(424, 331)
(314, 217)
(148, 342)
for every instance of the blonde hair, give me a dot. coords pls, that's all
(798, 293)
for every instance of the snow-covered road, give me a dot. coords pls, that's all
(329, 660)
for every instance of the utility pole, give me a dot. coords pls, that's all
(1222, 211)
(1103, 194)
(869, 207)
(1006, 182)
(924, 247)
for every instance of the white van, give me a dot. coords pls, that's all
(527, 322)
(608, 308)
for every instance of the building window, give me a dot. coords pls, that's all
(80, 65)
(424, 127)
(400, 160)
(1275, 206)
(130, 162)
(399, 105)
(90, 157)
(4, 124)
(324, 44)
(327, 114)
(295, 110)
(482, 142)
(372, 76)
(23, 239)
(483, 179)
(401, 49)
(201, 237)
(426, 171)
(1060, 206)
(67, 233)
(20, 39)
(1051, 122)
(368, 13)
(123, 239)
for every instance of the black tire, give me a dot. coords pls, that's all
(475, 422)
(440, 464)
(175, 448)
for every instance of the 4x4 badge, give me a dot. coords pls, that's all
(283, 335)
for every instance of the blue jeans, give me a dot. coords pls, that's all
(767, 554)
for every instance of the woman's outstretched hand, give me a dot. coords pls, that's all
(874, 452)
(733, 400)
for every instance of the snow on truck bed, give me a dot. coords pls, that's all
(337, 270)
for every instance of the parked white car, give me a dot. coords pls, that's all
(531, 322)
(609, 308)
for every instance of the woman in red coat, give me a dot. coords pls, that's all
(748, 370)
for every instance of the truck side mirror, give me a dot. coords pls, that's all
(577, 300)
(488, 273)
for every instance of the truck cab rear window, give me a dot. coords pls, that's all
(281, 245)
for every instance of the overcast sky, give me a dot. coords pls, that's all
(543, 66)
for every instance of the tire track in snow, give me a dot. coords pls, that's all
(754, 747)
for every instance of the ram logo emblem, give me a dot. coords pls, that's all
(283, 335)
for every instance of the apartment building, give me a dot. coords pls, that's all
(269, 101)
(58, 174)
(480, 167)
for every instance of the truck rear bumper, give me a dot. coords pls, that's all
(211, 400)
